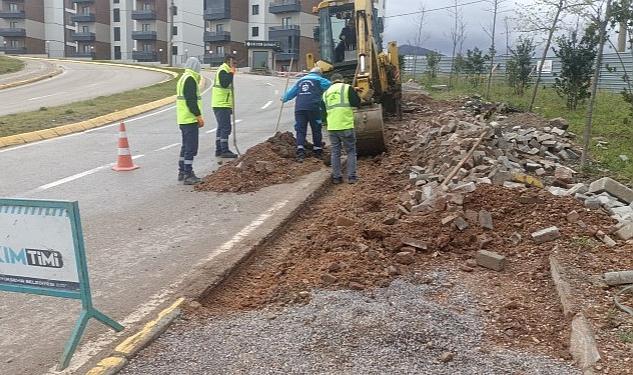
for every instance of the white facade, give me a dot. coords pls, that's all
(54, 29)
(189, 25)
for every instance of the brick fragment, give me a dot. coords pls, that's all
(491, 260)
(546, 235)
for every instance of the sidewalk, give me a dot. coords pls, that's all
(32, 69)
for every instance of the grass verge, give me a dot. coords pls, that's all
(612, 121)
(9, 65)
(50, 117)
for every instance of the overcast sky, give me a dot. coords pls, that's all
(437, 25)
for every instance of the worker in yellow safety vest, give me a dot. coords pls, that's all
(339, 100)
(189, 115)
(222, 103)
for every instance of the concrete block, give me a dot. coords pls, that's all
(573, 217)
(557, 191)
(485, 220)
(491, 260)
(612, 187)
(579, 188)
(465, 188)
(609, 241)
(626, 232)
(513, 185)
(618, 278)
(593, 203)
(546, 235)
(461, 224)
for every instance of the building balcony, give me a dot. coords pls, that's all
(89, 17)
(13, 31)
(82, 1)
(287, 55)
(144, 35)
(214, 14)
(276, 32)
(143, 15)
(82, 37)
(12, 50)
(217, 36)
(148, 56)
(13, 14)
(84, 55)
(284, 6)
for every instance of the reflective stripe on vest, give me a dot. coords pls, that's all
(340, 114)
(183, 113)
(221, 97)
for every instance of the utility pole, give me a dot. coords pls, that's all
(170, 31)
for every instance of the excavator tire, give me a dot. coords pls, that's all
(369, 126)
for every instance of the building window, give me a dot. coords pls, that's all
(219, 28)
(147, 6)
(220, 50)
(174, 50)
(117, 34)
(116, 15)
(13, 7)
(145, 27)
(255, 9)
(255, 31)
(174, 30)
(286, 21)
(116, 1)
(85, 10)
(13, 25)
(85, 29)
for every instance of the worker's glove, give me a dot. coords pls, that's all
(200, 120)
(281, 99)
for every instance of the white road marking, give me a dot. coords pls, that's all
(211, 131)
(47, 96)
(87, 351)
(277, 92)
(270, 102)
(74, 177)
(269, 84)
(238, 121)
(168, 147)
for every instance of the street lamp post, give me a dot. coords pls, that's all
(160, 54)
(48, 49)
(186, 54)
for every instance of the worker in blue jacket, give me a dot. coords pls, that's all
(309, 92)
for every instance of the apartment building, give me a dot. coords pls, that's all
(22, 26)
(88, 29)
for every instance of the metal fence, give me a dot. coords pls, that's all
(614, 67)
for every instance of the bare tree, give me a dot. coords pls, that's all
(458, 34)
(419, 36)
(496, 8)
(601, 19)
(546, 16)
(506, 20)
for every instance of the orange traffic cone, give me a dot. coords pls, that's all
(124, 161)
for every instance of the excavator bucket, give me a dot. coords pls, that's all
(370, 139)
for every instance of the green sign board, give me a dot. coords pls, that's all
(42, 252)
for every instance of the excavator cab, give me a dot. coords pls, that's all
(337, 35)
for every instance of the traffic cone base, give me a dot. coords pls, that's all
(124, 159)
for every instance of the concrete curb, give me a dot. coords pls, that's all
(42, 77)
(39, 135)
(135, 343)
(582, 342)
(198, 286)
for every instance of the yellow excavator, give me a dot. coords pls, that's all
(349, 35)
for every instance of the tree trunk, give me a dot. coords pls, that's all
(594, 88)
(450, 77)
(544, 57)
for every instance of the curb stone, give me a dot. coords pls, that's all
(582, 342)
(24, 82)
(136, 342)
(198, 286)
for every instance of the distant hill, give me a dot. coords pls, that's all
(413, 50)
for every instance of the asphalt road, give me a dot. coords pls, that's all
(79, 81)
(143, 230)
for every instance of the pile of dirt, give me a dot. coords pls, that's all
(352, 239)
(266, 164)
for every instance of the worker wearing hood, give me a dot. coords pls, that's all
(190, 120)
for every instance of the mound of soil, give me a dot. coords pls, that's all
(266, 164)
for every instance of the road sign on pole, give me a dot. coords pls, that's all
(42, 252)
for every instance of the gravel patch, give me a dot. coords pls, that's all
(401, 329)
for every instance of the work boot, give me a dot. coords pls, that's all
(318, 154)
(192, 179)
(228, 155)
(301, 155)
(218, 152)
(181, 176)
(337, 180)
(352, 180)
